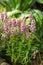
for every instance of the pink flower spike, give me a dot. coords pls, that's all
(27, 35)
(5, 16)
(23, 27)
(5, 27)
(26, 27)
(10, 22)
(33, 26)
(14, 22)
(0, 16)
(18, 22)
(33, 22)
(30, 17)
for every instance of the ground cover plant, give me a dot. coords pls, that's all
(21, 31)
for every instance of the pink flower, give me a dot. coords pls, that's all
(30, 17)
(10, 22)
(33, 22)
(33, 26)
(0, 16)
(14, 22)
(3, 16)
(18, 22)
(26, 27)
(12, 31)
(22, 27)
(27, 35)
(5, 27)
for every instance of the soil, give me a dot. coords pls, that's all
(6, 60)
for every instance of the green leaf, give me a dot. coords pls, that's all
(40, 1)
(17, 4)
(6, 5)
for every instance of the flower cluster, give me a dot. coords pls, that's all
(15, 36)
(3, 16)
(33, 24)
(14, 26)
